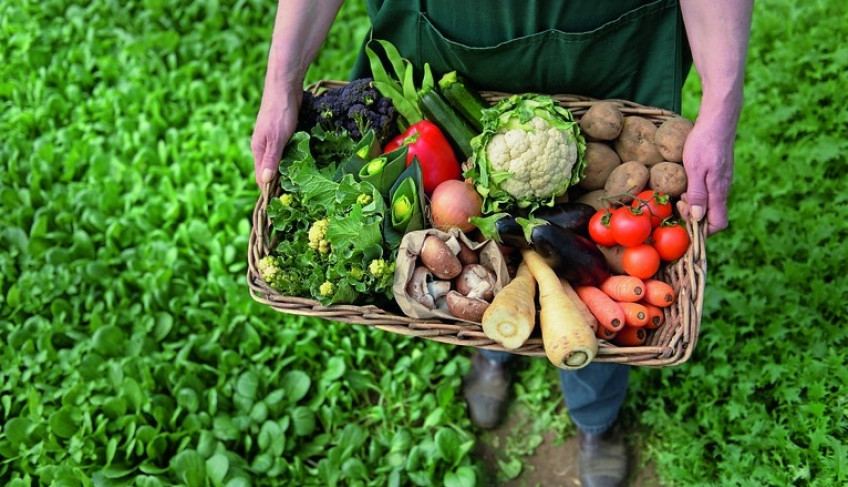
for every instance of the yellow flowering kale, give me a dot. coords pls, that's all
(317, 234)
(287, 199)
(364, 199)
(276, 277)
(328, 232)
(382, 271)
(327, 289)
(377, 267)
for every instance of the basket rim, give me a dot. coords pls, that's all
(671, 344)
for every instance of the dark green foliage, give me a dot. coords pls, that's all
(131, 351)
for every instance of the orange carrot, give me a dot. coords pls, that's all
(623, 288)
(606, 310)
(604, 334)
(634, 314)
(659, 293)
(631, 336)
(581, 306)
(656, 317)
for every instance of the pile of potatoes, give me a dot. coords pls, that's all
(628, 154)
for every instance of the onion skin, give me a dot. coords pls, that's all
(453, 203)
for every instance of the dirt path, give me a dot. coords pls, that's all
(514, 455)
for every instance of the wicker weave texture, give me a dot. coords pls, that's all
(671, 344)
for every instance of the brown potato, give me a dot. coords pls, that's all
(629, 177)
(594, 199)
(602, 121)
(600, 161)
(668, 178)
(636, 142)
(670, 137)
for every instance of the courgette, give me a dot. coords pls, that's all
(466, 101)
(439, 111)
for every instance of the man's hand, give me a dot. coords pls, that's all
(275, 124)
(718, 32)
(708, 159)
(300, 27)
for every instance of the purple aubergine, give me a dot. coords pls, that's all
(572, 216)
(571, 255)
(511, 233)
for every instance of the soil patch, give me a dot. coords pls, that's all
(513, 455)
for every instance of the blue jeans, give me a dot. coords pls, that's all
(593, 395)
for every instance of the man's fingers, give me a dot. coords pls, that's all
(270, 163)
(266, 160)
(696, 203)
(715, 212)
(717, 216)
(697, 212)
(257, 147)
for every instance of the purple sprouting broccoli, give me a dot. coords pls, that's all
(354, 109)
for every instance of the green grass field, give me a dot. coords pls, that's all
(132, 354)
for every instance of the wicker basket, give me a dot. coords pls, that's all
(671, 344)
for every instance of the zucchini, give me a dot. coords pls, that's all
(467, 102)
(456, 128)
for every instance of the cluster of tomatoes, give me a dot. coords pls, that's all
(646, 230)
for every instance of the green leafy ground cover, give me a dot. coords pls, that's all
(132, 354)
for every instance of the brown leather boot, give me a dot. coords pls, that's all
(603, 459)
(486, 388)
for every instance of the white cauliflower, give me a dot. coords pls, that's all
(539, 159)
(530, 152)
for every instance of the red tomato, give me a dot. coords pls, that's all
(428, 143)
(599, 228)
(630, 226)
(640, 261)
(671, 241)
(658, 205)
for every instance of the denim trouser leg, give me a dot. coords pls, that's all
(496, 355)
(594, 394)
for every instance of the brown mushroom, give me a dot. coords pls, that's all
(477, 281)
(466, 255)
(417, 289)
(465, 308)
(424, 289)
(438, 289)
(442, 304)
(439, 258)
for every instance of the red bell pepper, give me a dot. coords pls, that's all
(426, 141)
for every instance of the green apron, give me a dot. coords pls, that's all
(629, 49)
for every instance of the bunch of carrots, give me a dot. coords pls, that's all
(626, 306)
(573, 319)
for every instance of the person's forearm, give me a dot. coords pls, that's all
(718, 33)
(300, 28)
